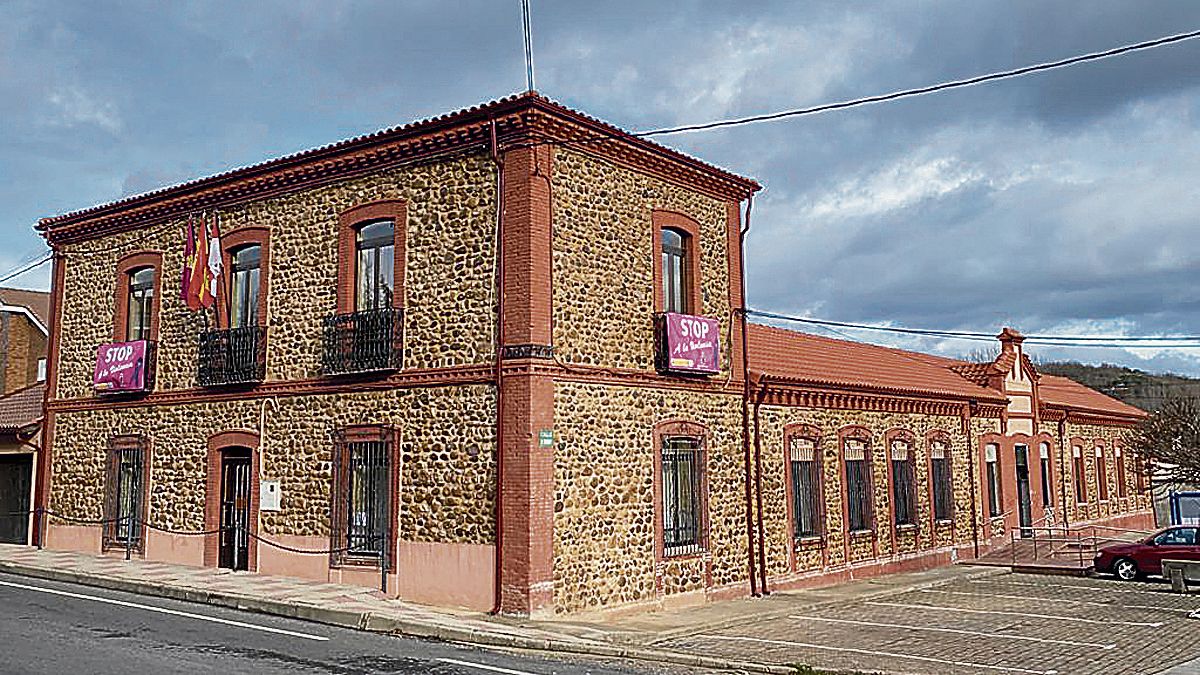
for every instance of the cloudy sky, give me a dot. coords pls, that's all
(1059, 203)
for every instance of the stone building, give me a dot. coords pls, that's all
(496, 359)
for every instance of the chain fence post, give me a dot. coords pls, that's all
(39, 519)
(128, 536)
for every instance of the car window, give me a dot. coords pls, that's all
(1181, 536)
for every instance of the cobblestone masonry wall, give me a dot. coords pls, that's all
(604, 260)
(449, 275)
(447, 473)
(774, 419)
(604, 534)
(1094, 509)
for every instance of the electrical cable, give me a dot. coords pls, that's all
(22, 270)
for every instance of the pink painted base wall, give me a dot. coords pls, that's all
(450, 575)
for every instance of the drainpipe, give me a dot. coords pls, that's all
(1062, 484)
(497, 374)
(762, 537)
(972, 455)
(746, 401)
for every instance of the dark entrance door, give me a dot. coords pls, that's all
(235, 509)
(16, 474)
(1024, 512)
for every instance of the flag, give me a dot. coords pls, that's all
(215, 261)
(189, 261)
(198, 283)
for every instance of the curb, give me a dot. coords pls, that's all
(375, 623)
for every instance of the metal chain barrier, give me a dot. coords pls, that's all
(301, 551)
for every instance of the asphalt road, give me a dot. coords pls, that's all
(57, 628)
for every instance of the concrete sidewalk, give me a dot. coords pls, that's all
(604, 635)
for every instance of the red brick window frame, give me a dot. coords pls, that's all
(690, 230)
(349, 223)
(126, 493)
(1101, 473)
(1078, 471)
(217, 445)
(1119, 459)
(940, 450)
(681, 445)
(126, 267)
(805, 469)
(366, 458)
(993, 480)
(231, 243)
(858, 504)
(901, 448)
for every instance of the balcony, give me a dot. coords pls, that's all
(363, 342)
(231, 357)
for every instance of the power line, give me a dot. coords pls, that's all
(21, 270)
(1122, 342)
(891, 96)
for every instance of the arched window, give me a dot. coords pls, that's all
(805, 468)
(1047, 490)
(943, 490)
(1122, 489)
(1101, 474)
(1080, 480)
(139, 315)
(904, 492)
(860, 514)
(991, 461)
(676, 269)
(375, 282)
(245, 272)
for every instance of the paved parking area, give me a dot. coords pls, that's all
(1009, 623)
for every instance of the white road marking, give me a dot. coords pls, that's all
(1041, 599)
(164, 610)
(1056, 617)
(481, 666)
(871, 652)
(1102, 589)
(958, 631)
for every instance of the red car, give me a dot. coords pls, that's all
(1138, 558)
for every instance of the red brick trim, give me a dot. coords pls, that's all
(675, 428)
(358, 433)
(897, 434)
(527, 245)
(348, 223)
(1079, 481)
(217, 443)
(230, 242)
(932, 436)
(999, 441)
(125, 266)
(117, 443)
(42, 487)
(1100, 470)
(863, 434)
(810, 432)
(677, 221)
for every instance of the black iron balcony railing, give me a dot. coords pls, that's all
(232, 356)
(363, 342)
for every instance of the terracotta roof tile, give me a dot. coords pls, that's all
(1064, 392)
(21, 408)
(840, 363)
(37, 302)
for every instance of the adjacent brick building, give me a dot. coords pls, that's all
(473, 355)
(24, 317)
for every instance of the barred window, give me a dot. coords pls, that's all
(806, 487)
(1080, 481)
(991, 455)
(1101, 475)
(364, 476)
(1122, 489)
(904, 494)
(1047, 490)
(943, 492)
(124, 493)
(859, 505)
(682, 505)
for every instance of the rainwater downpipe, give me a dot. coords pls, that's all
(1062, 483)
(762, 537)
(498, 372)
(746, 401)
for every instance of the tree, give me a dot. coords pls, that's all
(1169, 440)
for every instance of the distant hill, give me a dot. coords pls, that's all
(1134, 387)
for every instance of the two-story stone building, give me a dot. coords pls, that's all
(498, 359)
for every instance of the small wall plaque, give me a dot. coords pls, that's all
(269, 496)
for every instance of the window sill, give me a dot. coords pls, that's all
(809, 539)
(906, 527)
(861, 533)
(944, 521)
(683, 556)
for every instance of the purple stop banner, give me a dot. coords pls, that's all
(693, 343)
(120, 366)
